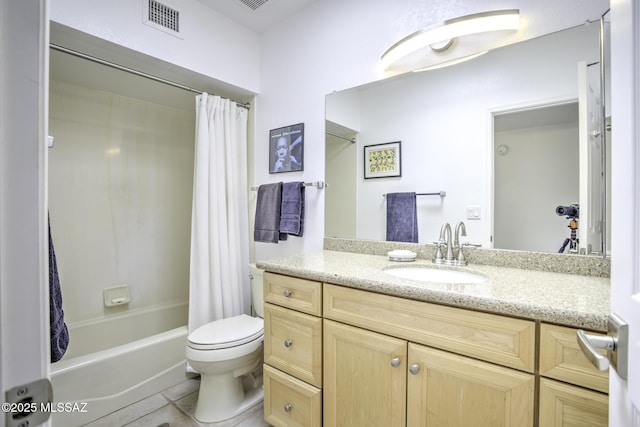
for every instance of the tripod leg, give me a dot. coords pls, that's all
(564, 245)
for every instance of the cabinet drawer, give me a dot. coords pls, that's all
(298, 294)
(561, 358)
(293, 343)
(498, 339)
(289, 401)
(567, 405)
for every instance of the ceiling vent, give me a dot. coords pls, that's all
(253, 4)
(161, 17)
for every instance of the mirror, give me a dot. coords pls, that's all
(466, 130)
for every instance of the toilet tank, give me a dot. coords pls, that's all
(257, 296)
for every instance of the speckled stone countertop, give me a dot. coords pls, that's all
(567, 299)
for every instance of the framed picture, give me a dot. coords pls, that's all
(286, 149)
(382, 160)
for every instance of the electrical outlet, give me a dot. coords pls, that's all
(473, 212)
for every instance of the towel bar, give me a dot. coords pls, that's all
(318, 184)
(439, 193)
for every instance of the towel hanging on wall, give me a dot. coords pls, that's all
(292, 212)
(267, 220)
(402, 218)
(58, 329)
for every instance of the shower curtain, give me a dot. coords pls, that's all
(219, 265)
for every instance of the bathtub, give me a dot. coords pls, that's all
(117, 360)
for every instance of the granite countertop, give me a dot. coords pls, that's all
(566, 299)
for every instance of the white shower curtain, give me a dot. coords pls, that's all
(219, 268)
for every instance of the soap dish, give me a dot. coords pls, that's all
(400, 255)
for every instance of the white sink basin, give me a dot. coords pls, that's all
(435, 275)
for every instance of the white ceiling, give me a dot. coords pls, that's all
(263, 17)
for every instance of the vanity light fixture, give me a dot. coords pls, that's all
(452, 62)
(441, 37)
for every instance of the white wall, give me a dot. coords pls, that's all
(120, 186)
(210, 43)
(333, 45)
(539, 172)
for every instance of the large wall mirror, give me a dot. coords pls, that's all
(509, 137)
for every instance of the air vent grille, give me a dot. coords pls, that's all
(253, 4)
(164, 16)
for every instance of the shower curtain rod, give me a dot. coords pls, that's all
(136, 72)
(351, 140)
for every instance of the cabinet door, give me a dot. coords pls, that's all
(444, 389)
(564, 405)
(364, 377)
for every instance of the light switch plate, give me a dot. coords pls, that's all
(473, 212)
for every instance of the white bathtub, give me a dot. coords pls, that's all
(115, 361)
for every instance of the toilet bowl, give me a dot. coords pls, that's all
(228, 355)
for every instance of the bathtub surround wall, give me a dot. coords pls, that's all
(120, 183)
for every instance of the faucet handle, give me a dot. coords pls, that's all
(439, 257)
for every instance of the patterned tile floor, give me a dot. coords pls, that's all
(174, 407)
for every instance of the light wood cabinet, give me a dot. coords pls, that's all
(445, 389)
(565, 405)
(292, 351)
(289, 401)
(562, 359)
(580, 399)
(376, 380)
(364, 377)
(339, 356)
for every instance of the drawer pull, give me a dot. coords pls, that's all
(287, 407)
(414, 369)
(395, 362)
(287, 293)
(288, 343)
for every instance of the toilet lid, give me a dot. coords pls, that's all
(225, 333)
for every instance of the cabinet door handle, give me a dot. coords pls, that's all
(395, 362)
(287, 293)
(414, 369)
(288, 343)
(287, 407)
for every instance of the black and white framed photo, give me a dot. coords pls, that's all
(286, 149)
(382, 160)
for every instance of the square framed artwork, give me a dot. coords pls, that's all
(286, 149)
(382, 160)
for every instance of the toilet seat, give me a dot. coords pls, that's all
(227, 333)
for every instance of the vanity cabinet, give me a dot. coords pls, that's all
(572, 391)
(339, 356)
(292, 351)
(378, 370)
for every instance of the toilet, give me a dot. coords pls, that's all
(228, 355)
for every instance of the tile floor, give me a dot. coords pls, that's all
(174, 407)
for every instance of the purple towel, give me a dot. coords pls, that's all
(402, 218)
(292, 212)
(267, 221)
(58, 329)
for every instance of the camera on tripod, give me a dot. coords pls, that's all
(571, 211)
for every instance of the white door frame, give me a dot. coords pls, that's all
(625, 230)
(24, 290)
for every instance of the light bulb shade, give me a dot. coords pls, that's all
(465, 25)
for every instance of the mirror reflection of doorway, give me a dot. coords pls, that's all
(536, 169)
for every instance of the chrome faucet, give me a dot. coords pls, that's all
(444, 239)
(460, 260)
